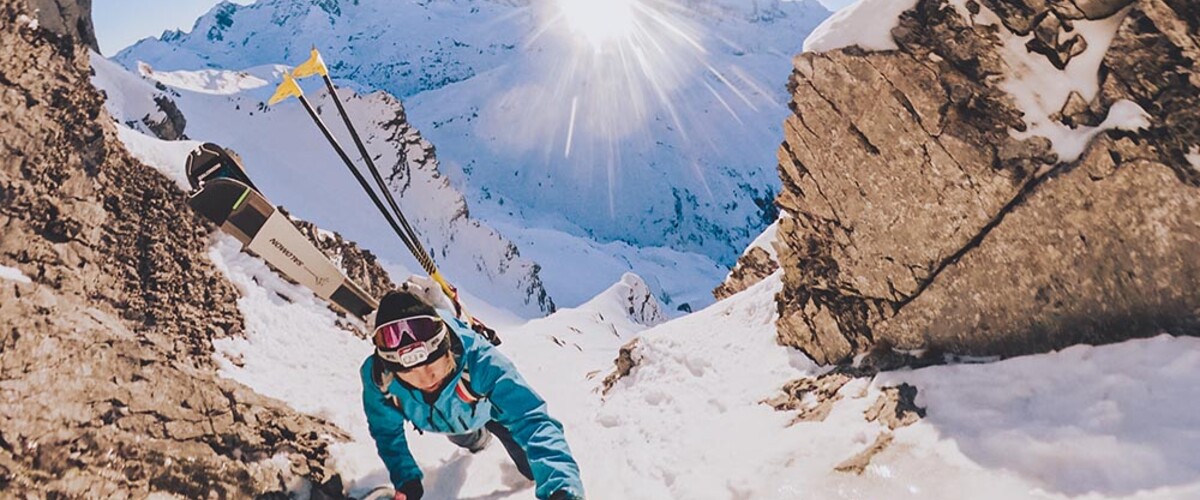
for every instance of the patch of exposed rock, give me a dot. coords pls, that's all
(896, 407)
(750, 269)
(627, 359)
(814, 398)
(170, 126)
(106, 377)
(811, 398)
(921, 222)
(858, 463)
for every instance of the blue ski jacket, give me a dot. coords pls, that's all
(485, 386)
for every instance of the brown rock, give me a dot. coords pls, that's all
(812, 398)
(858, 463)
(896, 407)
(71, 18)
(107, 386)
(627, 358)
(920, 224)
(751, 268)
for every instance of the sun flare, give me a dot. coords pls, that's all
(599, 22)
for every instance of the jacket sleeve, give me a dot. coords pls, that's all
(386, 425)
(523, 412)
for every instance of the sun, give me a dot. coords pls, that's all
(599, 22)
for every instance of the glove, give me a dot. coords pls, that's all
(565, 495)
(487, 333)
(411, 490)
(429, 291)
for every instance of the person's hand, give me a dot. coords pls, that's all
(400, 496)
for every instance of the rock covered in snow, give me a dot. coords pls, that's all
(758, 261)
(109, 387)
(1011, 178)
(632, 298)
(139, 102)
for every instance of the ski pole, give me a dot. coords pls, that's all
(426, 261)
(424, 258)
(289, 88)
(316, 65)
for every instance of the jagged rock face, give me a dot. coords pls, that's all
(108, 385)
(639, 301)
(751, 268)
(170, 127)
(71, 18)
(921, 221)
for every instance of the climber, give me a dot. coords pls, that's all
(430, 369)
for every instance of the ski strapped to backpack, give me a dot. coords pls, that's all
(223, 193)
(290, 88)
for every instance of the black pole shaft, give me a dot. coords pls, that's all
(387, 193)
(358, 176)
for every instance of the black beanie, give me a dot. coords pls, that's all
(402, 304)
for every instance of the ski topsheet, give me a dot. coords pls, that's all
(240, 210)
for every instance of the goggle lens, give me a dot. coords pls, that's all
(407, 331)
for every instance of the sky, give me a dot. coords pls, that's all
(121, 23)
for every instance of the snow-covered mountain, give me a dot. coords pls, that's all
(663, 138)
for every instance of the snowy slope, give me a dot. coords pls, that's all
(1103, 422)
(1090, 422)
(688, 422)
(667, 142)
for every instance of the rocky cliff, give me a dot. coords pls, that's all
(72, 18)
(108, 384)
(1006, 177)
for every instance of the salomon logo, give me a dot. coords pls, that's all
(287, 253)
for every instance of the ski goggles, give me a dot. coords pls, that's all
(410, 342)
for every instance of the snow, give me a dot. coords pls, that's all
(168, 157)
(575, 268)
(213, 81)
(1114, 420)
(29, 22)
(1193, 158)
(128, 98)
(13, 274)
(766, 240)
(1040, 90)
(866, 23)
